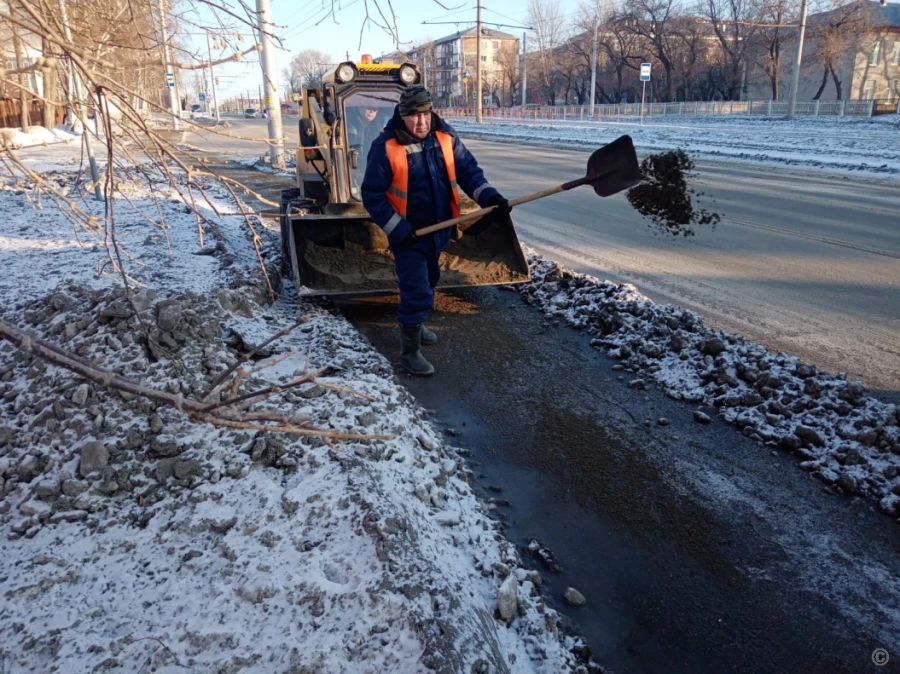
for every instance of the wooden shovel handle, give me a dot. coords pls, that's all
(474, 215)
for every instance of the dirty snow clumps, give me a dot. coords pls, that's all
(841, 435)
(134, 539)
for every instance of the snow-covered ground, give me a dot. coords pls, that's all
(37, 135)
(841, 435)
(862, 147)
(134, 539)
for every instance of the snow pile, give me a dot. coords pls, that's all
(844, 437)
(135, 539)
(264, 163)
(37, 135)
(864, 147)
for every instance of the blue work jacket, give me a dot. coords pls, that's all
(428, 192)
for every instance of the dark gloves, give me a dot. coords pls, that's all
(503, 207)
(499, 214)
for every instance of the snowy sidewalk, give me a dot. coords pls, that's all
(134, 539)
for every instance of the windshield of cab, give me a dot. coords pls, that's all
(366, 114)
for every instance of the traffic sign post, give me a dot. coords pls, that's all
(645, 77)
(201, 96)
(170, 79)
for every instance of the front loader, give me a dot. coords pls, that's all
(330, 243)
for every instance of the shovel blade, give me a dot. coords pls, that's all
(614, 167)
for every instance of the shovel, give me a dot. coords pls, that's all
(610, 170)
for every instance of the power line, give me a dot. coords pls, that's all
(444, 16)
(309, 26)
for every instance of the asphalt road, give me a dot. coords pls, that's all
(802, 262)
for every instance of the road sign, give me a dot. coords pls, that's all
(645, 72)
(474, 94)
(268, 101)
(201, 96)
(170, 79)
(295, 96)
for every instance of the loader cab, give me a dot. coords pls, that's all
(366, 114)
(340, 120)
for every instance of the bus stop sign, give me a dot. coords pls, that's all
(645, 72)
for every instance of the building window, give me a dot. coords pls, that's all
(484, 58)
(895, 55)
(495, 44)
(869, 90)
(876, 53)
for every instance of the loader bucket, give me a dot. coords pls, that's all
(342, 252)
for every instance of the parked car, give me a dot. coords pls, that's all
(249, 112)
(195, 108)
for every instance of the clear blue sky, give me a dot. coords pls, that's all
(308, 25)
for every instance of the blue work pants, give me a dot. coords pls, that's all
(418, 273)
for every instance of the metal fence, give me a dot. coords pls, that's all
(575, 113)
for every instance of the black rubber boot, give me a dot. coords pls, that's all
(411, 355)
(428, 337)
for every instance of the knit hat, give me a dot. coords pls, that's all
(413, 100)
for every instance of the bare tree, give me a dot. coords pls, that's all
(775, 35)
(690, 56)
(509, 72)
(835, 35)
(548, 21)
(621, 52)
(651, 20)
(734, 23)
(307, 69)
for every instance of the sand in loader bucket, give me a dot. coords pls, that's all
(492, 257)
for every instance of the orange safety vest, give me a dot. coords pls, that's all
(397, 192)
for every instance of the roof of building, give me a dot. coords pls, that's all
(485, 32)
(883, 14)
(394, 56)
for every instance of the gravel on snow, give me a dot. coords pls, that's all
(132, 539)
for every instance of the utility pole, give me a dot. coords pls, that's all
(795, 79)
(594, 57)
(95, 174)
(524, 69)
(478, 66)
(170, 70)
(212, 77)
(270, 79)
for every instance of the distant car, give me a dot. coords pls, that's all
(249, 112)
(195, 108)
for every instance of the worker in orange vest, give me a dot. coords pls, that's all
(415, 170)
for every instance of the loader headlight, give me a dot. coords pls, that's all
(407, 74)
(346, 72)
